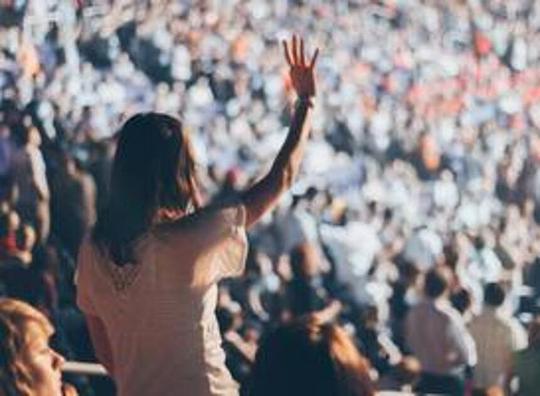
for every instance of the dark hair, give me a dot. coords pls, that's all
(225, 319)
(308, 357)
(4, 224)
(153, 169)
(437, 282)
(494, 294)
(461, 300)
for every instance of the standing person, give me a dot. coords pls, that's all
(436, 334)
(147, 277)
(497, 335)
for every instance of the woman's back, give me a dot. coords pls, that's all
(152, 324)
(159, 313)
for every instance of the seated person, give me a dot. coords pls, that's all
(28, 366)
(310, 357)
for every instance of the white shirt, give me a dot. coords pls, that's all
(161, 326)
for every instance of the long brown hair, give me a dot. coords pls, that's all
(310, 357)
(153, 170)
(15, 319)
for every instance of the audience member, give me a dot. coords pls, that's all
(497, 336)
(437, 336)
(424, 149)
(28, 365)
(307, 357)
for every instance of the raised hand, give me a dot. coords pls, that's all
(301, 73)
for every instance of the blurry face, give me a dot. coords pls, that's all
(43, 363)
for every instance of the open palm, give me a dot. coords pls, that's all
(301, 73)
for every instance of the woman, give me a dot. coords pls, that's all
(310, 357)
(28, 366)
(147, 277)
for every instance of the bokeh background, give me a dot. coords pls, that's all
(424, 152)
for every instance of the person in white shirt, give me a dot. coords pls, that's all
(497, 336)
(436, 334)
(147, 278)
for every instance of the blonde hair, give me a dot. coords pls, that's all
(16, 317)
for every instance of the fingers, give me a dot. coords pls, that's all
(302, 57)
(286, 49)
(295, 56)
(314, 59)
(294, 50)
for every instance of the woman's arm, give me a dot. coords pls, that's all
(100, 340)
(262, 196)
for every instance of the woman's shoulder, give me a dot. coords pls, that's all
(205, 221)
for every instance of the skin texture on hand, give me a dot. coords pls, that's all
(262, 196)
(301, 73)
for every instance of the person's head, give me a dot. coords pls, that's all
(28, 366)
(307, 357)
(437, 282)
(494, 295)
(462, 300)
(153, 171)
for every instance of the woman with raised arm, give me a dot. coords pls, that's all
(147, 276)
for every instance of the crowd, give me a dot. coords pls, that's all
(413, 225)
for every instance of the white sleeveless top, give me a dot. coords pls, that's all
(159, 314)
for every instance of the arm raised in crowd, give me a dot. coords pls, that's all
(262, 196)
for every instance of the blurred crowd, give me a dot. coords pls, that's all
(416, 213)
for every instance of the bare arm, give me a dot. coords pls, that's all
(100, 340)
(262, 196)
